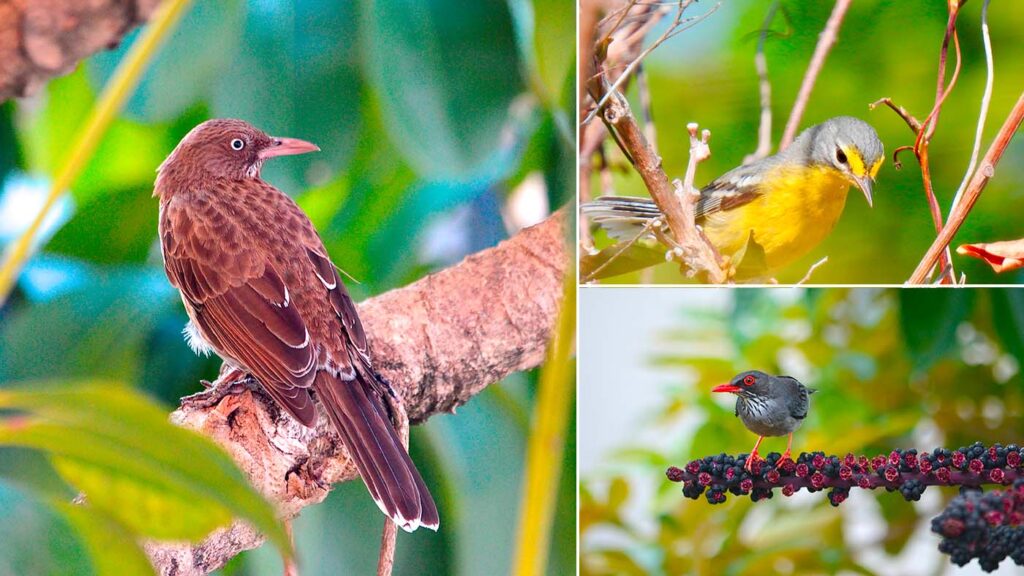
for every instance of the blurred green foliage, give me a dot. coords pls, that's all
(429, 115)
(896, 368)
(885, 48)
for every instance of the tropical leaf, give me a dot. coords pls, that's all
(156, 479)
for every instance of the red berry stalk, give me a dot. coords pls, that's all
(903, 470)
(989, 527)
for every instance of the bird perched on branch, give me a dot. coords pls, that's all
(769, 406)
(785, 204)
(261, 292)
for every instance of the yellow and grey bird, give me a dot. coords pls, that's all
(787, 203)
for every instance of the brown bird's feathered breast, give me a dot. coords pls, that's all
(262, 292)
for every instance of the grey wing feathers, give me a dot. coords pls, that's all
(625, 217)
(800, 401)
(622, 217)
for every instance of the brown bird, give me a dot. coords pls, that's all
(261, 292)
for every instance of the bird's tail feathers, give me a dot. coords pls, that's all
(623, 218)
(360, 418)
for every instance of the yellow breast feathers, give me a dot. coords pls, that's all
(796, 209)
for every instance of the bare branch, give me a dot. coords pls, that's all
(698, 255)
(977, 184)
(439, 341)
(678, 25)
(825, 43)
(764, 130)
(811, 270)
(986, 99)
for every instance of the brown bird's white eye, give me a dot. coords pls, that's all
(748, 380)
(237, 144)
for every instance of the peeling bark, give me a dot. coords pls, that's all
(41, 39)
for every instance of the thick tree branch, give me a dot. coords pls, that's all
(40, 39)
(439, 341)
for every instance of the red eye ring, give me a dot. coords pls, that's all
(748, 380)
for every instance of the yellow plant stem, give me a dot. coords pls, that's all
(115, 94)
(546, 445)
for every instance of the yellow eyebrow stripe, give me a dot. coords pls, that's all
(876, 166)
(855, 161)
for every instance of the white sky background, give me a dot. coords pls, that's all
(620, 329)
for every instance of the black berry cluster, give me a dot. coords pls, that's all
(987, 526)
(905, 471)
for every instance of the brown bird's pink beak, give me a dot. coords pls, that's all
(725, 388)
(287, 147)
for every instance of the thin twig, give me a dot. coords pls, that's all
(811, 270)
(986, 99)
(931, 123)
(913, 123)
(679, 209)
(977, 184)
(764, 131)
(646, 108)
(679, 24)
(825, 43)
(623, 246)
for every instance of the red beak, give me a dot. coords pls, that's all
(726, 388)
(287, 147)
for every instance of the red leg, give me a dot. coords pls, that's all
(753, 454)
(786, 455)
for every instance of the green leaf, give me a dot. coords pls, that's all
(929, 319)
(94, 331)
(8, 141)
(618, 259)
(132, 463)
(127, 155)
(545, 37)
(201, 48)
(113, 548)
(445, 72)
(1008, 318)
(34, 539)
(115, 228)
(297, 75)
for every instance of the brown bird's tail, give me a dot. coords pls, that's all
(358, 414)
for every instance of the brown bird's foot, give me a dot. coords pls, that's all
(231, 381)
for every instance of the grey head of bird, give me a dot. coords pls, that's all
(749, 384)
(846, 144)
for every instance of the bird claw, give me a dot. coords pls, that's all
(229, 383)
(749, 466)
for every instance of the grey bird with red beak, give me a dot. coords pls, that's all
(261, 292)
(769, 406)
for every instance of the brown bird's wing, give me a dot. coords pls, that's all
(241, 306)
(356, 405)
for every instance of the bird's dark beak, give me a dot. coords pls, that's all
(866, 184)
(726, 388)
(287, 147)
